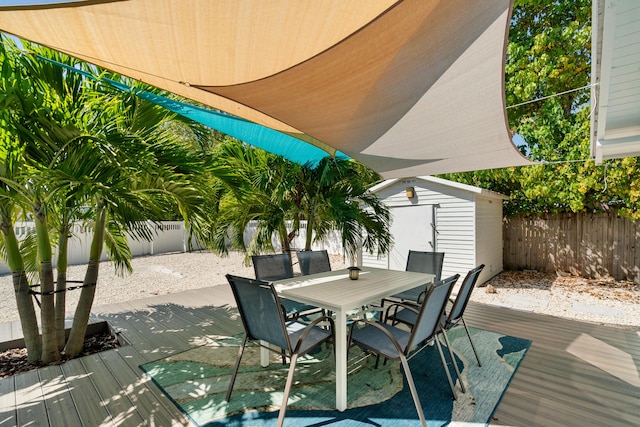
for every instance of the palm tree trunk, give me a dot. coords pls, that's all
(284, 241)
(83, 310)
(27, 314)
(309, 236)
(61, 285)
(50, 351)
(24, 302)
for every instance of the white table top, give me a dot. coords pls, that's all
(335, 291)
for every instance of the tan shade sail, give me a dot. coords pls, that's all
(411, 87)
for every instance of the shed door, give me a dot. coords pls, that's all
(411, 228)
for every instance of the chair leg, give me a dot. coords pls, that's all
(471, 341)
(384, 362)
(412, 387)
(287, 389)
(446, 369)
(453, 360)
(235, 370)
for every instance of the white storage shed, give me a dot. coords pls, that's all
(434, 214)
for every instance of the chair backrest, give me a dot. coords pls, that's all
(459, 305)
(314, 262)
(431, 311)
(272, 267)
(426, 262)
(260, 311)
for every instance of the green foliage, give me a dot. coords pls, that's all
(549, 53)
(334, 196)
(73, 149)
(258, 186)
(262, 187)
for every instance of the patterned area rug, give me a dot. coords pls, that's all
(196, 380)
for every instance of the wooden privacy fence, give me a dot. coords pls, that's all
(589, 245)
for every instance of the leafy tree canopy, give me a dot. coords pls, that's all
(549, 60)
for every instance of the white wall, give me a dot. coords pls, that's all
(392, 196)
(489, 237)
(169, 236)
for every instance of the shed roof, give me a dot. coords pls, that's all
(452, 184)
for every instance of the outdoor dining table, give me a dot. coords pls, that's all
(334, 291)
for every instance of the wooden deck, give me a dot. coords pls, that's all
(575, 374)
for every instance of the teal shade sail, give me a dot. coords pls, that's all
(259, 136)
(270, 140)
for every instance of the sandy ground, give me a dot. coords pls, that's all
(605, 302)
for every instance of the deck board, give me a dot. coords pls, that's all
(6, 333)
(90, 405)
(61, 408)
(574, 374)
(115, 399)
(30, 407)
(554, 386)
(147, 398)
(16, 330)
(8, 415)
(154, 329)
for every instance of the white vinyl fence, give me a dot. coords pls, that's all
(332, 243)
(169, 236)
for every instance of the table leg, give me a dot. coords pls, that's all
(341, 360)
(264, 355)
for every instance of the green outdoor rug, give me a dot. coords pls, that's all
(197, 380)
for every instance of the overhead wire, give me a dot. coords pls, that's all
(588, 86)
(551, 96)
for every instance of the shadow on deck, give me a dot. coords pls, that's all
(574, 374)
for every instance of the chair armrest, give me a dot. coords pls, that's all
(376, 325)
(312, 325)
(404, 305)
(388, 300)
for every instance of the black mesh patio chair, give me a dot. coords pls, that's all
(312, 262)
(273, 267)
(263, 320)
(460, 304)
(396, 313)
(419, 262)
(396, 343)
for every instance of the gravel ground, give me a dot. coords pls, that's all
(601, 301)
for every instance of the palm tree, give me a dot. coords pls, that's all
(271, 191)
(334, 196)
(10, 162)
(258, 188)
(96, 156)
